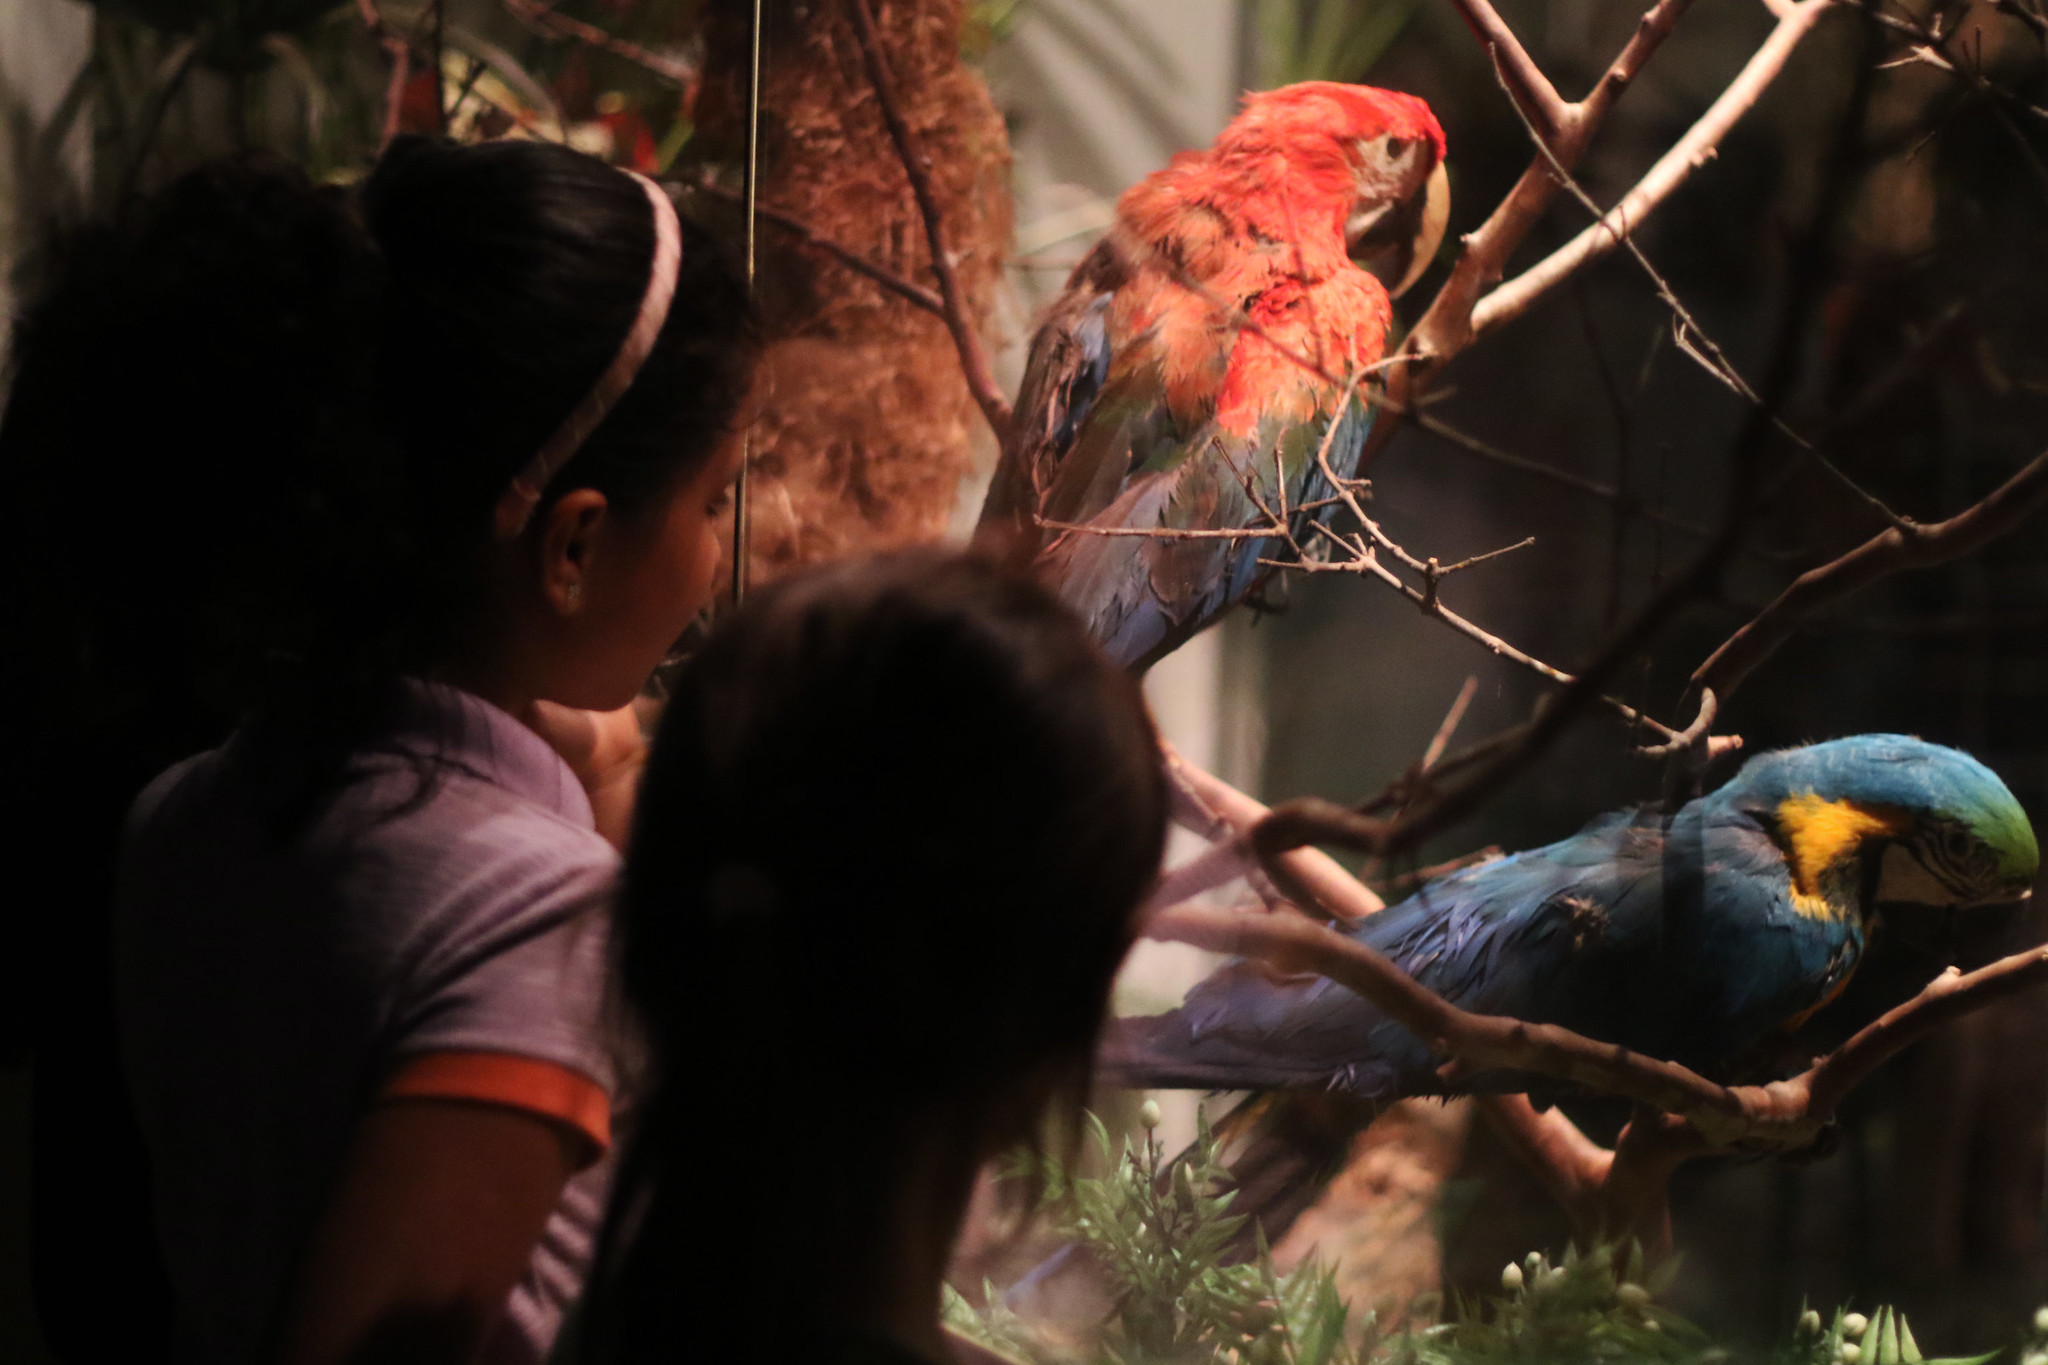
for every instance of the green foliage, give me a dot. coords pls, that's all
(1883, 1338)
(988, 23)
(1583, 1309)
(1160, 1231)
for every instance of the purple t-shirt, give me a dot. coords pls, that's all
(267, 990)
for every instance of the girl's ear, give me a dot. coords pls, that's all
(568, 540)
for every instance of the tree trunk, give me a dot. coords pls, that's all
(867, 427)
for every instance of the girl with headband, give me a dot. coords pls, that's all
(360, 950)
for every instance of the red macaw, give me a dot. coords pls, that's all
(1149, 403)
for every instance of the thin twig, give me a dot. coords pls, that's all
(1430, 604)
(1402, 883)
(1493, 454)
(548, 22)
(1219, 812)
(400, 52)
(974, 361)
(1690, 337)
(912, 293)
(1437, 571)
(1441, 740)
(1890, 551)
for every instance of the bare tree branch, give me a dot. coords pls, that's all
(546, 21)
(1780, 1115)
(1692, 339)
(1446, 328)
(1527, 86)
(1571, 1165)
(974, 361)
(1309, 877)
(400, 51)
(1311, 819)
(1441, 740)
(915, 294)
(1909, 546)
(1688, 154)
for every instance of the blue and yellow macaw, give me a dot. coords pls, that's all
(1694, 938)
(1186, 378)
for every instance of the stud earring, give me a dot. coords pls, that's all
(574, 595)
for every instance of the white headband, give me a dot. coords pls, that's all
(522, 495)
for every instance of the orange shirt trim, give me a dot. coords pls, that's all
(547, 1089)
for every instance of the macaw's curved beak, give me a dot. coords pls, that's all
(1397, 242)
(1429, 229)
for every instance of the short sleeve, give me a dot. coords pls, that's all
(510, 960)
(546, 1090)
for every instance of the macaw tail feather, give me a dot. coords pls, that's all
(1171, 1052)
(1282, 1149)
(1154, 1052)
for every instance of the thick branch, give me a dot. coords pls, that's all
(1527, 85)
(1308, 876)
(1476, 1042)
(1896, 548)
(1687, 155)
(1446, 328)
(1782, 1114)
(974, 361)
(1948, 997)
(1571, 1165)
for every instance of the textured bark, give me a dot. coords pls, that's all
(868, 426)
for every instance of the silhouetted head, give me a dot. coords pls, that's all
(189, 406)
(888, 848)
(1381, 150)
(1942, 827)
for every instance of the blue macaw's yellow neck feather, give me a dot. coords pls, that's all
(1823, 841)
(1925, 789)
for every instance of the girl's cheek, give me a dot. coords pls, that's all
(704, 568)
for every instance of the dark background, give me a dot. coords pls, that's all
(1931, 330)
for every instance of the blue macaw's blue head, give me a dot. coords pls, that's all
(1943, 827)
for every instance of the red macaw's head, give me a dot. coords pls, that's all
(1375, 156)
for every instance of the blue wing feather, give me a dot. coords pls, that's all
(1103, 449)
(1681, 942)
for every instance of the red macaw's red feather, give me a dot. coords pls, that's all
(1258, 221)
(1149, 404)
